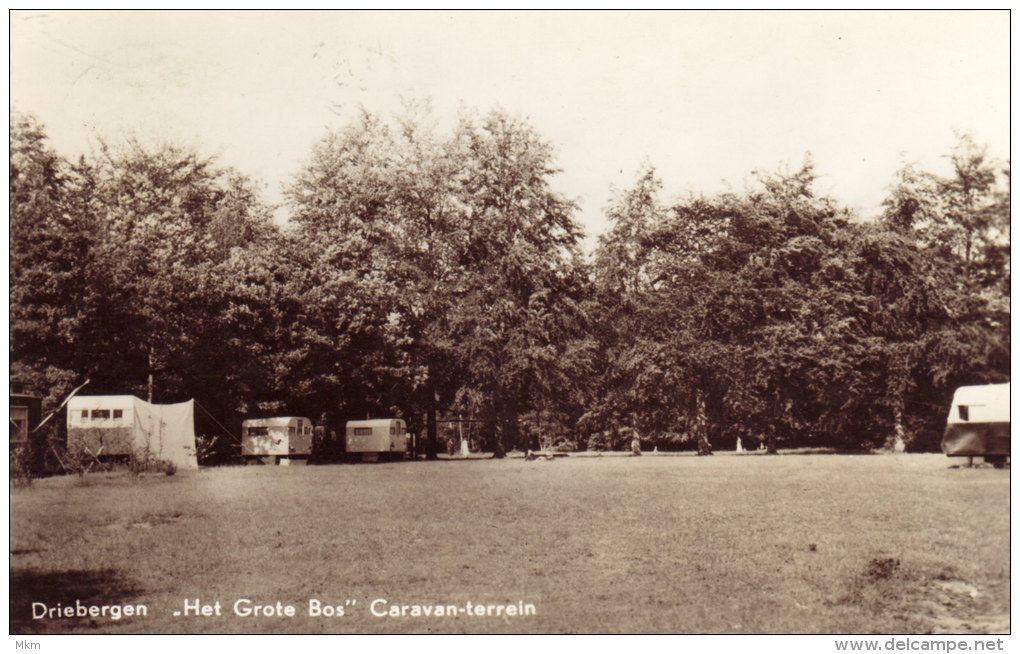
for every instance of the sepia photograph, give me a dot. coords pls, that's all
(683, 323)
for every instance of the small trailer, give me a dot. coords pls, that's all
(978, 423)
(375, 439)
(276, 441)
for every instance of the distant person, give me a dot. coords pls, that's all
(635, 446)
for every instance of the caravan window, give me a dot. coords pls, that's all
(258, 431)
(118, 414)
(100, 414)
(85, 415)
(964, 412)
(362, 431)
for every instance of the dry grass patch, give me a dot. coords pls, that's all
(727, 544)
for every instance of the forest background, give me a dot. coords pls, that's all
(436, 275)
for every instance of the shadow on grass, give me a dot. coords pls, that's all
(90, 587)
(419, 459)
(827, 450)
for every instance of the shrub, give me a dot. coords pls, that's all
(21, 472)
(600, 442)
(143, 461)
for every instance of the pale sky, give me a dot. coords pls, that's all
(707, 97)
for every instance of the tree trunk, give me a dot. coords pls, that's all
(431, 438)
(491, 435)
(150, 376)
(701, 427)
(772, 445)
(499, 428)
(900, 441)
(513, 426)
(501, 432)
(506, 429)
(498, 447)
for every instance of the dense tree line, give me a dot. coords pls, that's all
(778, 317)
(430, 275)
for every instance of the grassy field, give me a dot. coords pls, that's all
(679, 544)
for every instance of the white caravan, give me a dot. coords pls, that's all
(279, 441)
(372, 439)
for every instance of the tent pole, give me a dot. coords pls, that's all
(62, 404)
(225, 430)
(150, 375)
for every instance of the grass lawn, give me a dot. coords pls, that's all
(663, 544)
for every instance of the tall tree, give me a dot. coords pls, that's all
(521, 299)
(963, 217)
(50, 253)
(163, 218)
(465, 235)
(376, 203)
(754, 317)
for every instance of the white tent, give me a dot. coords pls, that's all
(120, 425)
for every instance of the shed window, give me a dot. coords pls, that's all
(100, 414)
